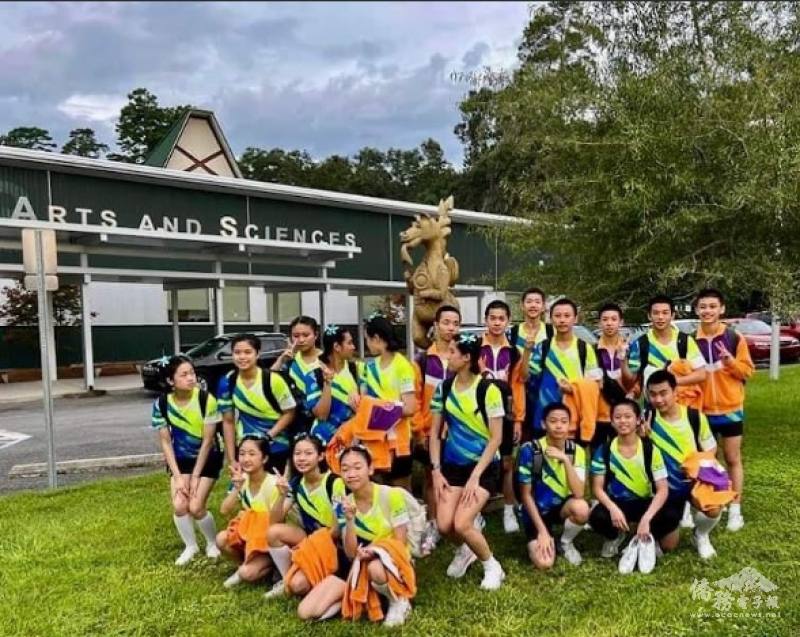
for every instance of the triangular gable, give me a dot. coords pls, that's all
(196, 144)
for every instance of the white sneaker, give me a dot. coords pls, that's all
(735, 520)
(647, 555)
(703, 543)
(398, 612)
(630, 554)
(510, 524)
(233, 580)
(571, 554)
(187, 556)
(611, 547)
(461, 561)
(493, 577)
(212, 552)
(278, 590)
(686, 521)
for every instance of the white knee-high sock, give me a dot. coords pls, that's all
(185, 529)
(703, 523)
(571, 531)
(282, 557)
(208, 529)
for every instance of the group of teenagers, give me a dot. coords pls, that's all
(319, 499)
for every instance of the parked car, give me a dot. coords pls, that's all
(213, 358)
(628, 332)
(689, 326)
(758, 336)
(790, 327)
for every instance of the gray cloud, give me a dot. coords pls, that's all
(327, 77)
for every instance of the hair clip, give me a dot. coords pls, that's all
(163, 361)
(332, 330)
(467, 338)
(376, 314)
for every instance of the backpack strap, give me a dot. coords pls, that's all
(351, 365)
(694, 421)
(447, 387)
(549, 330)
(330, 479)
(513, 335)
(202, 398)
(163, 407)
(266, 386)
(480, 398)
(683, 345)
(569, 448)
(732, 340)
(582, 353)
(647, 450)
(607, 460)
(545, 351)
(644, 352)
(538, 460)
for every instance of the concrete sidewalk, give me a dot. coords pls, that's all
(32, 390)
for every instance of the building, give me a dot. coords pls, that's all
(174, 251)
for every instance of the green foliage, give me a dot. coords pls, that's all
(83, 142)
(28, 137)
(20, 306)
(142, 125)
(114, 543)
(661, 156)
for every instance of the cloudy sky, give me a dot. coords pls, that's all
(324, 77)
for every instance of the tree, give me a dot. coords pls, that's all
(20, 307)
(661, 158)
(142, 125)
(28, 137)
(82, 142)
(277, 166)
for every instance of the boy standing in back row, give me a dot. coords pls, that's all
(728, 366)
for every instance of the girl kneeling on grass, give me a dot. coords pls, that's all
(256, 491)
(466, 432)
(373, 522)
(186, 419)
(304, 550)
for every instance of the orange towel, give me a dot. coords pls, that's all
(315, 557)
(247, 532)
(582, 404)
(360, 596)
(687, 395)
(379, 450)
(706, 496)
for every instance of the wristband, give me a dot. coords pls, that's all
(435, 466)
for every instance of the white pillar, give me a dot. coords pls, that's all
(409, 319)
(360, 324)
(86, 331)
(775, 348)
(219, 311)
(176, 329)
(276, 315)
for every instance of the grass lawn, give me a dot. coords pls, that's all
(98, 560)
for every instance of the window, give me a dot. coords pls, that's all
(193, 306)
(288, 307)
(236, 305)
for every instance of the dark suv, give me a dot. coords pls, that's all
(213, 358)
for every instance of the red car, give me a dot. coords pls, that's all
(758, 336)
(790, 327)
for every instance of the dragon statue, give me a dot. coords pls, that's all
(431, 280)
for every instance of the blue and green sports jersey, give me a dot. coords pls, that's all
(186, 423)
(314, 507)
(390, 383)
(342, 387)
(299, 371)
(676, 442)
(388, 512)
(467, 433)
(552, 491)
(628, 479)
(561, 364)
(254, 415)
(660, 355)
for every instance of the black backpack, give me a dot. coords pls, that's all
(299, 423)
(202, 398)
(647, 450)
(480, 397)
(644, 350)
(582, 352)
(351, 365)
(610, 389)
(570, 448)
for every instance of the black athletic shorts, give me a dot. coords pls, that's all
(457, 475)
(420, 454)
(212, 468)
(400, 469)
(724, 427)
(550, 518)
(664, 522)
(507, 443)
